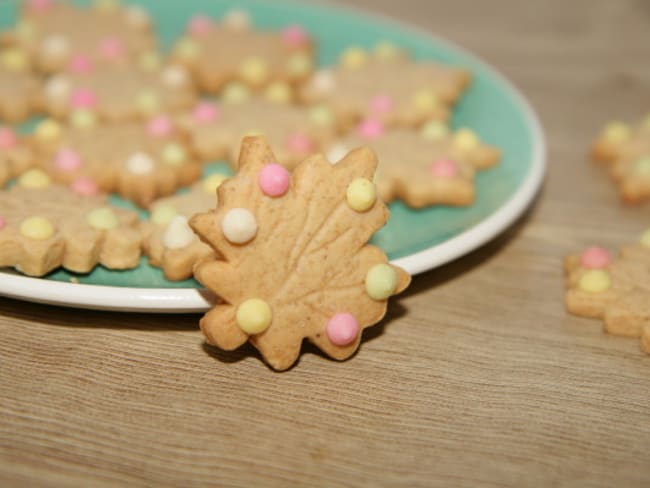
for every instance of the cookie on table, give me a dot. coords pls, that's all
(169, 242)
(432, 166)
(217, 128)
(140, 161)
(19, 86)
(44, 226)
(16, 155)
(388, 86)
(614, 289)
(618, 139)
(118, 90)
(296, 263)
(54, 32)
(219, 51)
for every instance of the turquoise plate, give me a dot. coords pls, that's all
(417, 240)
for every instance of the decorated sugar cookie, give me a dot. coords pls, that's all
(44, 226)
(16, 155)
(140, 161)
(219, 51)
(428, 167)
(19, 87)
(55, 32)
(386, 85)
(170, 243)
(620, 140)
(217, 128)
(612, 288)
(296, 263)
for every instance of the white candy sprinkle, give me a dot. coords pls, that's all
(174, 76)
(137, 16)
(336, 153)
(140, 163)
(239, 225)
(237, 20)
(178, 233)
(55, 45)
(57, 87)
(323, 81)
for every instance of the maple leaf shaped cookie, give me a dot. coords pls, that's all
(618, 139)
(19, 87)
(615, 290)
(432, 166)
(16, 156)
(388, 87)
(296, 263)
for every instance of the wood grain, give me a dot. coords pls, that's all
(477, 377)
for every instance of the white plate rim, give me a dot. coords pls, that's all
(183, 300)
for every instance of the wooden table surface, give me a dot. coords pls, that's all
(477, 377)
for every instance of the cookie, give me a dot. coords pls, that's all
(44, 226)
(388, 86)
(618, 139)
(614, 289)
(296, 263)
(217, 128)
(55, 32)
(119, 91)
(432, 166)
(139, 161)
(169, 242)
(16, 155)
(19, 87)
(230, 49)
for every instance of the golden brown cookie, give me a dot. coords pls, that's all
(386, 86)
(296, 263)
(16, 155)
(217, 128)
(19, 87)
(618, 139)
(432, 166)
(169, 242)
(54, 32)
(614, 289)
(44, 226)
(230, 49)
(140, 161)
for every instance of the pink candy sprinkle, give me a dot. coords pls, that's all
(595, 257)
(300, 143)
(112, 48)
(371, 129)
(160, 126)
(83, 98)
(84, 186)
(342, 329)
(205, 112)
(39, 6)
(8, 138)
(444, 168)
(67, 160)
(3, 222)
(274, 180)
(382, 104)
(295, 36)
(80, 64)
(199, 25)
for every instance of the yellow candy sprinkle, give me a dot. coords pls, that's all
(425, 101)
(361, 194)
(466, 140)
(434, 130)
(321, 115)
(645, 238)
(14, 60)
(234, 93)
(386, 50)
(254, 71)
(616, 132)
(147, 102)
(102, 218)
(595, 281)
(163, 214)
(212, 182)
(83, 119)
(299, 64)
(646, 122)
(34, 178)
(188, 49)
(279, 92)
(48, 130)
(354, 58)
(174, 154)
(381, 281)
(107, 5)
(254, 316)
(642, 166)
(37, 228)
(150, 61)
(26, 29)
